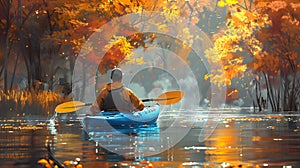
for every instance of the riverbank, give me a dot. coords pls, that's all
(29, 103)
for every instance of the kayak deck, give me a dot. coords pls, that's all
(107, 120)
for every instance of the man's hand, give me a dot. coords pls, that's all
(94, 108)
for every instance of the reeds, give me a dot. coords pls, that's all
(16, 103)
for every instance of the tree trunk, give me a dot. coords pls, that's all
(14, 73)
(258, 97)
(270, 98)
(7, 46)
(278, 100)
(293, 98)
(17, 59)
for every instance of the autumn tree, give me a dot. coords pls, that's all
(13, 19)
(23, 31)
(87, 16)
(262, 38)
(5, 26)
(54, 32)
(280, 60)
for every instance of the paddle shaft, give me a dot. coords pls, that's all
(147, 100)
(144, 100)
(166, 98)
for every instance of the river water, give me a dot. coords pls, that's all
(235, 138)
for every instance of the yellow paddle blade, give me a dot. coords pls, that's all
(68, 107)
(171, 97)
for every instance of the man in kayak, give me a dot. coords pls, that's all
(116, 97)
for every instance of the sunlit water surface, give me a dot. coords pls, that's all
(241, 139)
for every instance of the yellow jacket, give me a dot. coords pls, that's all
(131, 101)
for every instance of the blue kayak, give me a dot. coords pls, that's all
(115, 119)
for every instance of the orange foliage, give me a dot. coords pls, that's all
(121, 49)
(241, 37)
(281, 39)
(65, 25)
(268, 38)
(110, 60)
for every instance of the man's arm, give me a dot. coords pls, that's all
(95, 108)
(98, 103)
(136, 102)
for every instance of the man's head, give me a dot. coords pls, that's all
(116, 75)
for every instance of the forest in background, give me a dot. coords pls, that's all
(256, 40)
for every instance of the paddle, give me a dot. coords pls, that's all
(166, 98)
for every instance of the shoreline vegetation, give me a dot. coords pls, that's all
(29, 102)
(35, 102)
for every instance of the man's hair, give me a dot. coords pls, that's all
(116, 74)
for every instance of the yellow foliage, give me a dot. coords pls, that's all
(206, 76)
(223, 3)
(163, 27)
(231, 2)
(126, 48)
(238, 38)
(171, 13)
(139, 61)
(187, 38)
(122, 43)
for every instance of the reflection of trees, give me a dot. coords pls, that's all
(22, 144)
(227, 142)
(253, 141)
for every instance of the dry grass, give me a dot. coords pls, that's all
(28, 102)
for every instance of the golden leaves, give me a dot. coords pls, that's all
(277, 5)
(78, 23)
(162, 27)
(212, 56)
(223, 3)
(217, 74)
(246, 22)
(121, 43)
(139, 61)
(171, 12)
(119, 8)
(261, 4)
(237, 40)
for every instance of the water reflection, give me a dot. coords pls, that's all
(130, 142)
(21, 143)
(269, 140)
(239, 139)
